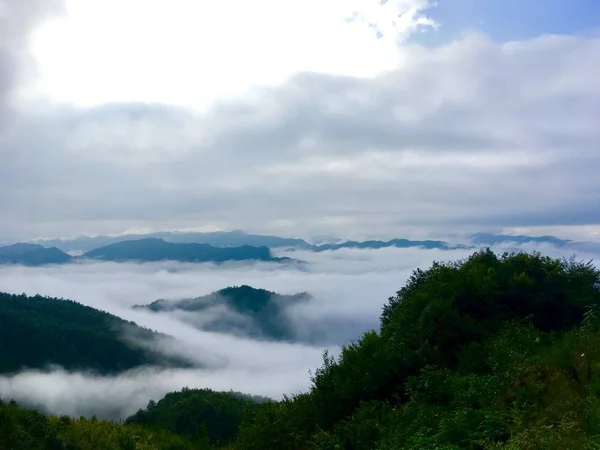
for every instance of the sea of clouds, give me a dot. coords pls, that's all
(348, 288)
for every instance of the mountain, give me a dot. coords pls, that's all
(32, 255)
(483, 239)
(239, 239)
(242, 310)
(234, 239)
(398, 243)
(36, 332)
(154, 249)
(216, 239)
(487, 239)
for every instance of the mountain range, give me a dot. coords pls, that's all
(216, 239)
(239, 238)
(141, 250)
(234, 246)
(32, 255)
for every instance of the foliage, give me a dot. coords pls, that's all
(191, 411)
(23, 429)
(38, 331)
(485, 353)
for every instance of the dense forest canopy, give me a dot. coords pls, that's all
(191, 411)
(489, 352)
(36, 332)
(492, 352)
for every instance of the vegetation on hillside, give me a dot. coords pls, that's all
(199, 412)
(36, 332)
(258, 313)
(24, 429)
(487, 353)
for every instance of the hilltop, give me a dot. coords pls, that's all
(32, 255)
(252, 312)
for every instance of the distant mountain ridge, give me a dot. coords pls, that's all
(236, 246)
(494, 239)
(398, 243)
(217, 239)
(32, 255)
(155, 249)
(235, 239)
(141, 250)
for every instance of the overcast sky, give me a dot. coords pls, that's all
(299, 117)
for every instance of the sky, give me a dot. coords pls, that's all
(353, 118)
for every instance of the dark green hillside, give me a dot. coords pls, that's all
(32, 255)
(487, 353)
(191, 410)
(261, 312)
(153, 249)
(24, 429)
(37, 331)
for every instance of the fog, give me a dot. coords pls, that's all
(348, 288)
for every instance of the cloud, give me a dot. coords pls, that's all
(349, 288)
(17, 19)
(205, 51)
(468, 135)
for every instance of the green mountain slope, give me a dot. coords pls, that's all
(487, 353)
(256, 312)
(38, 331)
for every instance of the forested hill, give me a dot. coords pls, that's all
(257, 313)
(189, 410)
(493, 352)
(38, 331)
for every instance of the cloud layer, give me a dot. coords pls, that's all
(349, 289)
(468, 135)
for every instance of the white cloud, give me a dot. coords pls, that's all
(469, 135)
(187, 52)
